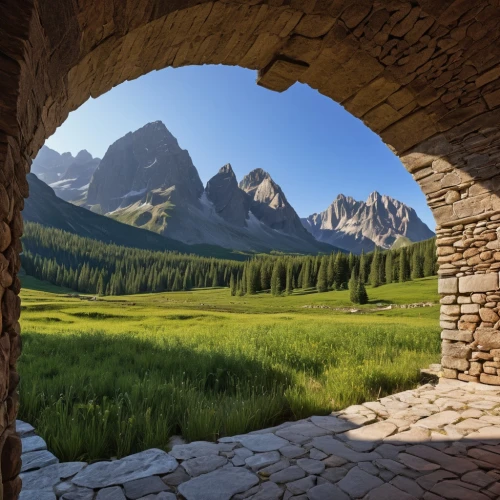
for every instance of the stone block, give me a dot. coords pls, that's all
(453, 310)
(467, 378)
(488, 315)
(448, 285)
(281, 74)
(455, 363)
(448, 325)
(459, 335)
(489, 379)
(478, 283)
(470, 318)
(464, 325)
(478, 298)
(450, 373)
(469, 308)
(456, 350)
(487, 339)
(448, 300)
(475, 368)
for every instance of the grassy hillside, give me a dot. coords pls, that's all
(45, 208)
(120, 374)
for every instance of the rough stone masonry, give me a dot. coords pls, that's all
(423, 75)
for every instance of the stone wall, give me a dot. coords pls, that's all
(470, 312)
(423, 75)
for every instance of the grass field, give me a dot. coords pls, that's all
(114, 376)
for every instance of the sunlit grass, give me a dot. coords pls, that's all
(118, 375)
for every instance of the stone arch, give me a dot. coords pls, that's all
(424, 75)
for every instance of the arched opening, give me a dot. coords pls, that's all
(424, 77)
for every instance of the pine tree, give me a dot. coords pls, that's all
(252, 279)
(289, 277)
(374, 269)
(388, 267)
(322, 282)
(330, 275)
(430, 259)
(100, 285)
(403, 266)
(417, 265)
(265, 277)
(353, 287)
(276, 279)
(362, 266)
(232, 285)
(306, 274)
(214, 276)
(362, 296)
(186, 282)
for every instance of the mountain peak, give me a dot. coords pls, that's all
(344, 199)
(83, 157)
(227, 169)
(373, 198)
(253, 179)
(148, 159)
(357, 225)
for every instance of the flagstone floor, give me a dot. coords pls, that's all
(430, 443)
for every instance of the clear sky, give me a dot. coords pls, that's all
(310, 145)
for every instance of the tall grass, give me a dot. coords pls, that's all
(95, 394)
(112, 377)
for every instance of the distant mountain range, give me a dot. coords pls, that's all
(357, 225)
(146, 180)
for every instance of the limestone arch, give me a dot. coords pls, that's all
(423, 75)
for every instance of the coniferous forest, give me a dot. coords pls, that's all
(89, 266)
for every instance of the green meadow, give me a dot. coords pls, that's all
(117, 375)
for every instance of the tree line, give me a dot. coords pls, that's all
(337, 271)
(90, 266)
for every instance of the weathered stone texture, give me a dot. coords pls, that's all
(425, 76)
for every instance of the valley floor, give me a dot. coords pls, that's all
(119, 375)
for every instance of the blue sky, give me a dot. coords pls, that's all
(309, 144)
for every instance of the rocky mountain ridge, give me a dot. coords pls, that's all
(147, 180)
(356, 225)
(68, 176)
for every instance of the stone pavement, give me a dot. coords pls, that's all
(431, 443)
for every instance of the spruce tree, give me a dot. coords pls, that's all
(330, 275)
(289, 277)
(362, 266)
(430, 259)
(232, 285)
(388, 267)
(374, 269)
(276, 285)
(403, 266)
(322, 282)
(353, 287)
(306, 274)
(417, 265)
(186, 283)
(362, 296)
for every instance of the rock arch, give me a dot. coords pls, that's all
(424, 75)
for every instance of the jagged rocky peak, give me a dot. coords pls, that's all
(227, 169)
(230, 202)
(373, 198)
(142, 161)
(357, 225)
(253, 179)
